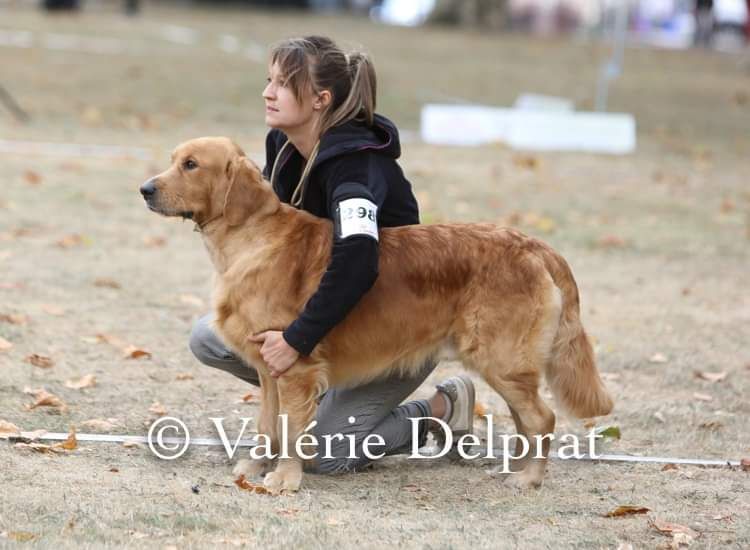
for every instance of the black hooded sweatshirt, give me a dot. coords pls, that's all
(354, 161)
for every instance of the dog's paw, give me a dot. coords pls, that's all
(249, 468)
(286, 481)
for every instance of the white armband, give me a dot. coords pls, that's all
(357, 217)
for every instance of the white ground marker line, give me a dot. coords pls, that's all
(213, 442)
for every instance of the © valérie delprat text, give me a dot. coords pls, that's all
(169, 438)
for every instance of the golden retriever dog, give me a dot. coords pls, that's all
(505, 304)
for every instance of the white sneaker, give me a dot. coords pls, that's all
(460, 392)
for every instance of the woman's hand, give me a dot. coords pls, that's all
(279, 355)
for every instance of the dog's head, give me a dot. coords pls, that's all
(209, 178)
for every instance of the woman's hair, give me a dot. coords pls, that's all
(316, 63)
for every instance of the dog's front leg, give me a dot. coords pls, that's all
(261, 463)
(298, 392)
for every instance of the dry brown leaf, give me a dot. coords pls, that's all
(132, 444)
(114, 470)
(14, 318)
(103, 282)
(41, 361)
(132, 352)
(4, 344)
(157, 409)
(658, 358)
(673, 528)
(242, 483)
(86, 381)
(250, 396)
(71, 443)
(45, 399)
(69, 241)
(528, 162)
(711, 376)
(99, 424)
(479, 409)
(39, 447)
(670, 466)
(711, 425)
(32, 178)
(626, 511)
(153, 242)
(52, 309)
(184, 376)
(20, 536)
(191, 300)
(111, 340)
(745, 464)
(611, 241)
(702, 396)
(8, 429)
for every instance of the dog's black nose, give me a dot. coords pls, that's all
(148, 189)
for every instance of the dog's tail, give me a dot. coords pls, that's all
(571, 371)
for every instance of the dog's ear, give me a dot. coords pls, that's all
(246, 193)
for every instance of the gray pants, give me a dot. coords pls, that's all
(375, 406)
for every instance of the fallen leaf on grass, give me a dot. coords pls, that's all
(157, 409)
(528, 162)
(103, 282)
(242, 483)
(4, 344)
(45, 399)
(132, 352)
(41, 361)
(71, 442)
(611, 241)
(674, 529)
(711, 425)
(18, 536)
(711, 376)
(32, 178)
(479, 409)
(69, 241)
(609, 431)
(658, 358)
(702, 396)
(249, 397)
(626, 511)
(670, 466)
(152, 242)
(14, 318)
(8, 429)
(87, 381)
(51, 309)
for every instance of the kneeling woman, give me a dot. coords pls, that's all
(328, 152)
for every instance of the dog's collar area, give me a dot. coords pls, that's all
(199, 226)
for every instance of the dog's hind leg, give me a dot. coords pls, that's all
(269, 413)
(299, 389)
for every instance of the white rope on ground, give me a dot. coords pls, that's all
(73, 150)
(213, 442)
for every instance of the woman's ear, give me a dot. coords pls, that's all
(240, 200)
(322, 100)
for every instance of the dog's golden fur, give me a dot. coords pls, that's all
(505, 304)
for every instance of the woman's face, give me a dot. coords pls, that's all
(282, 109)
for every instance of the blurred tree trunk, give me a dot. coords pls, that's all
(488, 14)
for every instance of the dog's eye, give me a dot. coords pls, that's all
(189, 164)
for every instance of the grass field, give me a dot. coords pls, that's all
(659, 242)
